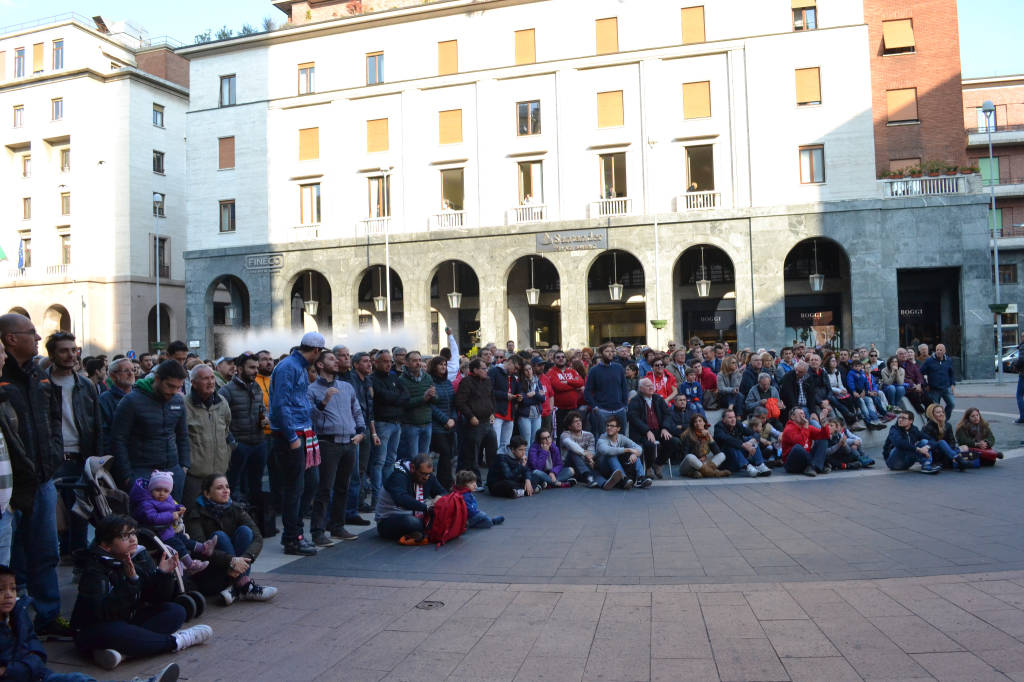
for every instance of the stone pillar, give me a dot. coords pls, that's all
(493, 305)
(769, 301)
(572, 274)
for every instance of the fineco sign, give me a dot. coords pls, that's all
(264, 261)
(572, 240)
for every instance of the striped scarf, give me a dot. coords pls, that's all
(312, 447)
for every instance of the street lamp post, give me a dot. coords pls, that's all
(387, 238)
(156, 258)
(990, 120)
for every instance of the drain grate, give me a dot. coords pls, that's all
(430, 605)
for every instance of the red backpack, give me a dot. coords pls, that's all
(448, 520)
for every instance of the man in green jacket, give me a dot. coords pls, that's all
(416, 429)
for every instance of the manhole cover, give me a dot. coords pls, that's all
(428, 605)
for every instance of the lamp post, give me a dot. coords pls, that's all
(816, 280)
(380, 303)
(311, 305)
(990, 121)
(615, 288)
(703, 284)
(454, 296)
(156, 258)
(533, 293)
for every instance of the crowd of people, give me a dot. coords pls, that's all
(212, 452)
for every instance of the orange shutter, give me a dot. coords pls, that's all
(226, 152)
(377, 135)
(902, 104)
(309, 144)
(607, 35)
(447, 57)
(808, 85)
(693, 25)
(898, 34)
(609, 110)
(3, 67)
(697, 100)
(37, 57)
(450, 126)
(526, 47)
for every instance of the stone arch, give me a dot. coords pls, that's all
(310, 302)
(165, 327)
(818, 317)
(621, 318)
(704, 294)
(227, 310)
(534, 324)
(372, 299)
(454, 276)
(55, 319)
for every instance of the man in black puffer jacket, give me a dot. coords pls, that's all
(245, 398)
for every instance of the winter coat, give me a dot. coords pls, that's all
(931, 432)
(289, 403)
(503, 387)
(11, 448)
(209, 435)
(246, 404)
(965, 435)
(398, 496)
(105, 594)
(417, 411)
(533, 404)
(474, 398)
(731, 438)
(109, 401)
(789, 391)
(637, 411)
(390, 397)
(21, 653)
(149, 433)
(157, 516)
(37, 409)
(697, 446)
(939, 373)
(537, 459)
(508, 468)
(442, 408)
(202, 522)
(85, 410)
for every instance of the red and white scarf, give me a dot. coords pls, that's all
(312, 447)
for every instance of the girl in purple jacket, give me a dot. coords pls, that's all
(546, 458)
(154, 508)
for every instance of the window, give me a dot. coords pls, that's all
(159, 205)
(158, 116)
(1008, 273)
(697, 100)
(26, 208)
(613, 175)
(700, 168)
(693, 25)
(607, 35)
(309, 204)
(25, 252)
(812, 164)
(26, 165)
(989, 171)
(898, 36)
(227, 91)
(65, 203)
(896, 165)
(528, 118)
(447, 57)
(609, 110)
(19, 115)
(19, 62)
(902, 105)
(225, 153)
(531, 183)
(379, 188)
(307, 76)
(453, 189)
(227, 215)
(65, 160)
(158, 162)
(58, 54)
(808, 86)
(37, 58)
(995, 219)
(805, 15)
(450, 126)
(65, 248)
(996, 122)
(526, 46)
(374, 68)
(161, 257)
(57, 108)
(309, 144)
(377, 135)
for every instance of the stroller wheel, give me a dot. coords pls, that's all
(188, 603)
(200, 601)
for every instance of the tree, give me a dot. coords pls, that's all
(268, 24)
(205, 37)
(247, 29)
(224, 33)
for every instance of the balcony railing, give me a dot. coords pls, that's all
(996, 129)
(447, 220)
(61, 270)
(18, 274)
(529, 213)
(305, 233)
(999, 182)
(925, 186)
(698, 201)
(373, 226)
(605, 208)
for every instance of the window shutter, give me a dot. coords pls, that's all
(450, 126)
(803, 4)
(808, 85)
(898, 34)
(526, 47)
(37, 57)
(377, 135)
(226, 152)
(447, 57)
(693, 25)
(609, 110)
(3, 67)
(697, 100)
(309, 144)
(607, 35)
(902, 104)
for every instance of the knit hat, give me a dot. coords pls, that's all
(161, 480)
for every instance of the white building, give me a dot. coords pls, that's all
(92, 123)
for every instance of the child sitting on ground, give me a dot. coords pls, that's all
(545, 456)
(154, 508)
(841, 453)
(855, 443)
(768, 437)
(691, 388)
(511, 475)
(466, 483)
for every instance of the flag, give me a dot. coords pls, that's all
(21, 255)
(3, 255)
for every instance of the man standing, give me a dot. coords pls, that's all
(34, 553)
(209, 432)
(416, 428)
(145, 363)
(248, 414)
(938, 371)
(359, 377)
(122, 376)
(474, 400)
(338, 422)
(293, 446)
(568, 388)
(389, 400)
(606, 390)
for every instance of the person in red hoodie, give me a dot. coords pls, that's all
(567, 385)
(708, 382)
(804, 446)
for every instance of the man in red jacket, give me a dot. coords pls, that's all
(568, 387)
(804, 446)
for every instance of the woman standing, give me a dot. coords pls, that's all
(528, 417)
(442, 421)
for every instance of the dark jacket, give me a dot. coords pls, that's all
(606, 387)
(698, 447)
(417, 410)
(539, 396)
(731, 439)
(149, 433)
(246, 404)
(939, 373)
(37, 406)
(789, 392)
(399, 493)
(23, 480)
(503, 387)
(109, 401)
(507, 468)
(474, 398)
(105, 593)
(901, 446)
(636, 415)
(85, 410)
(390, 397)
(364, 394)
(21, 653)
(201, 523)
(749, 380)
(443, 407)
(931, 432)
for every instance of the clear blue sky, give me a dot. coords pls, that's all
(989, 29)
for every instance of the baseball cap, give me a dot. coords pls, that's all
(313, 340)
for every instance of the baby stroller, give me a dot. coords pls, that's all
(97, 496)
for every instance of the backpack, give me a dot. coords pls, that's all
(448, 520)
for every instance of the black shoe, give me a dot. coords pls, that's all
(301, 547)
(365, 508)
(646, 483)
(320, 539)
(356, 521)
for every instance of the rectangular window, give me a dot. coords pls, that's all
(309, 204)
(379, 188)
(902, 104)
(309, 144)
(58, 54)
(19, 115)
(227, 215)
(613, 175)
(25, 252)
(447, 57)
(1008, 273)
(697, 100)
(159, 205)
(805, 15)
(607, 31)
(227, 91)
(158, 116)
(26, 165)
(526, 46)
(808, 86)
(374, 68)
(900, 164)
(307, 76)
(57, 108)
(528, 118)
(450, 126)
(65, 249)
(995, 219)
(65, 203)
(19, 62)
(37, 58)
(65, 160)
(812, 164)
(531, 183)
(3, 66)
(225, 153)
(898, 36)
(161, 258)
(26, 208)
(700, 168)
(158, 162)
(994, 122)
(609, 110)
(453, 189)
(377, 135)
(693, 25)
(989, 172)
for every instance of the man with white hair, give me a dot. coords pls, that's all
(649, 419)
(122, 376)
(209, 432)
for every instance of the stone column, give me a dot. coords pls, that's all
(769, 285)
(572, 273)
(493, 305)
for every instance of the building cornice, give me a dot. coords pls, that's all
(993, 81)
(129, 72)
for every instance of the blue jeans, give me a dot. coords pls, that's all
(528, 428)
(899, 460)
(291, 468)
(503, 433)
(584, 472)
(737, 459)
(235, 546)
(148, 633)
(943, 453)
(799, 459)
(34, 554)
(67, 677)
(611, 463)
(946, 394)
(867, 408)
(415, 440)
(598, 417)
(355, 482)
(245, 471)
(895, 393)
(479, 520)
(1020, 395)
(382, 461)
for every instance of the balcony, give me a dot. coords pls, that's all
(1001, 134)
(1005, 187)
(925, 186)
(307, 233)
(698, 201)
(529, 213)
(369, 227)
(62, 270)
(19, 274)
(606, 208)
(447, 220)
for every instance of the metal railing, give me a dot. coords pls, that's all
(698, 201)
(604, 208)
(988, 182)
(925, 186)
(306, 232)
(1002, 128)
(373, 226)
(16, 274)
(528, 213)
(447, 220)
(61, 270)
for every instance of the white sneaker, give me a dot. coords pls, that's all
(108, 659)
(520, 492)
(227, 595)
(169, 673)
(751, 471)
(256, 592)
(197, 634)
(762, 469)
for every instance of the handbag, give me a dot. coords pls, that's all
(772, 405)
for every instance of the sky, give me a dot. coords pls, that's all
(989, 29)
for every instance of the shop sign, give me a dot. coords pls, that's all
(572, 240)
(264, 262)
(810, 318)
(719, 320)
(912, 314)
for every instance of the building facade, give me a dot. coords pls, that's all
(638, 171)
(93, 134)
